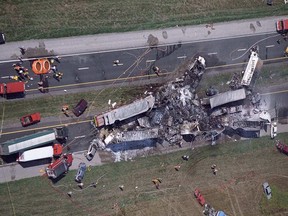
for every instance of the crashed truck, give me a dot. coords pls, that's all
(59, 166)
(125, 112)
(250, 69)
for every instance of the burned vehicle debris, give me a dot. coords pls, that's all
(174, 114)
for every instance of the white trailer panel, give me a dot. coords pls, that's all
(227, 97)
(248, 74)
(36, 154)
(32, 142)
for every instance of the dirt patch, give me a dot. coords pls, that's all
(152, 41)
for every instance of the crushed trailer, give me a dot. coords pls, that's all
(125, 112)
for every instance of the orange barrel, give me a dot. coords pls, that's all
(41, 66)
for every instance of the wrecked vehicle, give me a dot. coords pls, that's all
(283, 148)
(125, 112)
(173, 113)
(227, 97)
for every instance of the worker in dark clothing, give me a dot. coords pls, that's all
(22, 50)
(156, 70)
(54, 68)
(57, 58)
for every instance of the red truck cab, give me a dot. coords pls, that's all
(57, 150)
(59, 166)
(30, 119)
(282, 26)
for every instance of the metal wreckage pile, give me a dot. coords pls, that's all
(173, 114)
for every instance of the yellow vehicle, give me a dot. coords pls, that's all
(286, 52)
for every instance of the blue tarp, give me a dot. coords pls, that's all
(220, 213)
(124, 146)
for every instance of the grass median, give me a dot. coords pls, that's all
(236, 189)
(50, 105)
(26, 19)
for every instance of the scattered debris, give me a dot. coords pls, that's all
(199, 197)
(121, 187)
(177, 168)
(283, 148)
(185, 157)
(65, 110)
(173, 113)
(157, 182)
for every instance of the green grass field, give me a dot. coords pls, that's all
(24, 19)
(236, 189)
(51, 105)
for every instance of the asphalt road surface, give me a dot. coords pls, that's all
(87, 68)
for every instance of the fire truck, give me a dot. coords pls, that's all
(59, 166)
(12, 89)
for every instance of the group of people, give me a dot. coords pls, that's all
(22, 73)
(57, 75)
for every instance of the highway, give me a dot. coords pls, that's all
(88, 69)
(96, 67)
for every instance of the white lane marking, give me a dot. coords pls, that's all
(84, 68)
(148, 61)
(79, 137)
(270, 46)
(181, 57)
(4, 77)
(239, 50)
(215, 53)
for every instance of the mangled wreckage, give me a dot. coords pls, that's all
(173, 113)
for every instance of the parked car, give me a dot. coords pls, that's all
(30, 119)
(80, 173)
(91, 152)
(2, 38)
(80, 107)
(267, 190)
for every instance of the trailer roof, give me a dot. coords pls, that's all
(227, 97)
(35, 154)
(26, 142)
(129, 110)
